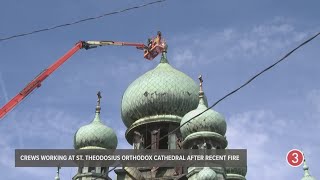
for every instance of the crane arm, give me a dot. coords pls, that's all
(94, 44)
(36, 82)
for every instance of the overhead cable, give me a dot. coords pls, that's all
(81, 20)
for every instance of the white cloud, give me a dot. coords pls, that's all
(314, 98)
(38, 128)
(264, 136)
(3, 88)
(259, 41)
(106, 73)
(182, 57)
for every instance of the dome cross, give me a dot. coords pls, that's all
(201, 81)
(99, 97)
(98, 108)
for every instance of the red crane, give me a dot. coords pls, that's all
(155, 46)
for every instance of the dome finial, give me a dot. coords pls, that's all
(305, 167)
(201, 81)
(98, 108)
(201, 93)
(164, 51)
(164, 56)
(307, 175)
(58, 173)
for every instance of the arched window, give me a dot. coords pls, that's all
(209, 146)
(194, 147)
(103, 170)
(80, 169)
(91, 169)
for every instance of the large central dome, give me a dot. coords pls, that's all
(161, 91)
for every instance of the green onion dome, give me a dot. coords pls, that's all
(95, 134)
(209, 125)
(209, 121)
(161, 92)
(207, 174)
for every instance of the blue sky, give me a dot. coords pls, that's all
(225, 41)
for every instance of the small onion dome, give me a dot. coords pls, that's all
(207, 174)
(238, 173)
(209, 121)
(307, 175)
(162, 91)
(95, 134)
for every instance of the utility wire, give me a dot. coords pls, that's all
(234, 91)
(82, 20)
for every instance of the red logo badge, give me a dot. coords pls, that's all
(295, 157)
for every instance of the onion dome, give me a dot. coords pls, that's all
(163, 92)
(238, 173)
(95, 134)
(307, 175)
(207, 174)
(209, 124)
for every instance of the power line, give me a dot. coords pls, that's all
(82, 20)
(234, 91)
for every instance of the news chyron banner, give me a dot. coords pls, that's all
(130, 158)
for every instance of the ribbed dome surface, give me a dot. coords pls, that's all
(95, 134)
(207, 174)
(210, 120)
(237, 170)
(160, 91)
(308, 178)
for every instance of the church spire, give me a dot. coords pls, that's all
(307, 175)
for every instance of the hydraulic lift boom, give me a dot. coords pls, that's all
(149, 53)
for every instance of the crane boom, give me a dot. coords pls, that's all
(36, 82)
(93, 44)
